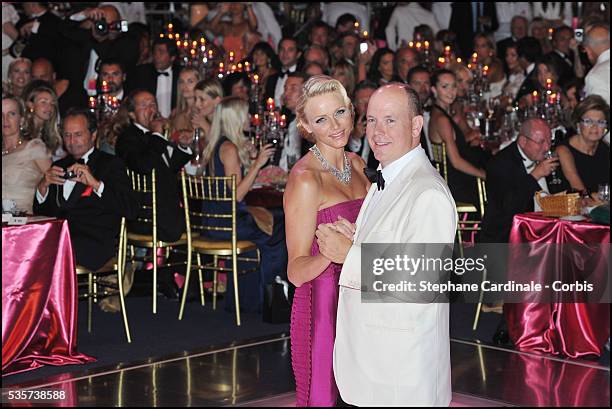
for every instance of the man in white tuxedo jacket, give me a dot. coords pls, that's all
(391, 354)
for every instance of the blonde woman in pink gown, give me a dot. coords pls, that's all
(324, 185)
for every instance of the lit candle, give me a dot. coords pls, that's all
(185, 44)
(170, 27)
(161, 35)
(178, 44)
(459, 60)
(233, 69)
(441, 62)
(365, 35)
(256, 79)
(92, 102)
(534, 97)
(231, 56)
(411, 44)
(247, 66)
(194, 44)
(550, 33)
(552, 98)
(270, 104)
(256, 121)
(447, 51)
(210, 54)
(485, 71)
(283, 121)
(193, 52)
(357, 26)
(115, 102)
(549, 83)
(105, 86)
(202, 40)
(240, 66)
(426, 45)
(475, 58)
(469, 66)
(418, 46)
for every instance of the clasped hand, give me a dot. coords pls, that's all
(335, 239)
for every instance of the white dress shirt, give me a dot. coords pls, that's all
(164, 93)
(70, 184)
(279, 90)
(292, 146)
(403, 21)
(389, 173)
(505, 12)
(529, 166)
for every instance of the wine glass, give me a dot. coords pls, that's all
(603, 193)
(555, 178)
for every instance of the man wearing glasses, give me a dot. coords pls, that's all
(514, 175)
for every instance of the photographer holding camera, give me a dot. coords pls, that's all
(90, 189)
(92, 35)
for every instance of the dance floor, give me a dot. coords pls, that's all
(258, 373)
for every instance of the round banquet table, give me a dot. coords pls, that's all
(569, 329)
(39, 297)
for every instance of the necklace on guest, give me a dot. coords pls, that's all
(343, 176)
(13, 149)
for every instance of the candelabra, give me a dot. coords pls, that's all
(103, 105)
(270, 127)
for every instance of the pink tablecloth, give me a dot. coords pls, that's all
(572, 330)
(39, 297)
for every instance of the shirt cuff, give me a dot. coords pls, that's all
(100, 190)
(35, 27)
(78, 17)
(41, 199)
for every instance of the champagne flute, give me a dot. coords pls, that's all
(556, 180)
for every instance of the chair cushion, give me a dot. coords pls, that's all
(217, 246)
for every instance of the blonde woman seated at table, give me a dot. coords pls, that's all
(24, 160)
(208, 93)
(42, 116)
(228, 153)
(465, 162)
(584, 159)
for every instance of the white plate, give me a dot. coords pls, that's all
(576, 218)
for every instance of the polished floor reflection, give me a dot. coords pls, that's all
(259, 374)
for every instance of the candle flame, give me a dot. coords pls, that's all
(411, 44)
(459, 60)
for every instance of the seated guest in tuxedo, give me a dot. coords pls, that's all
(160, 77)
(565, 52)
(514, 175)
(519, 28)
(529, 50)
(584, 159)
(292, 148)
(288, 54)
(94, 200)
(358, 143)
(143, 148)
(113, 73)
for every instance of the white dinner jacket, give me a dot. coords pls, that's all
(396, 353)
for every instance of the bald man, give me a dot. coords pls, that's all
(514, 175)
(597, 47)
(392, 353)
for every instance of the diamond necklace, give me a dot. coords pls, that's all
(343, 176)
(13, 149)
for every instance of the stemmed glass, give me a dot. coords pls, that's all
(555, 178)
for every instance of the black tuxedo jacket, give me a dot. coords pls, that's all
(510, 191)
(47, 42)
(144, 76)
(77, 45)
(461, 23)
(530, 84)
(143, 153)
(94, 221)
(271, 85)
(566, 69)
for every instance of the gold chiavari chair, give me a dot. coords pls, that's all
(146, 186)
(117, 264)
(198, 191)
(471, 225)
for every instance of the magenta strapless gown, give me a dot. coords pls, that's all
(313, 323)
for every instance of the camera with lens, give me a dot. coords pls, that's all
(69, 174)
(102, 27)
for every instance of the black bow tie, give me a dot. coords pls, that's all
(163, 73)
(81, 161)
(375, 176)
